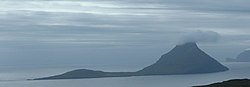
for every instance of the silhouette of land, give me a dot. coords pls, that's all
(242, 57)
(183, 59)
(230, 83)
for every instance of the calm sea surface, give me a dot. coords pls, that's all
(14, 77)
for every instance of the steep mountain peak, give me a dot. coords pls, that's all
(187, 58)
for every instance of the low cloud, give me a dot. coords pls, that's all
(200, 36)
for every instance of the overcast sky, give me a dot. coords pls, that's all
(75, 32)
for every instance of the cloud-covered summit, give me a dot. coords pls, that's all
(200, 36)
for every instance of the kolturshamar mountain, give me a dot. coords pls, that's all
(183, 59)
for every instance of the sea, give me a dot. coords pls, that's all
(16, 77)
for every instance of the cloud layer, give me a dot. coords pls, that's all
(55, 30)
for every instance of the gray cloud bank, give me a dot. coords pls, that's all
(71, 32)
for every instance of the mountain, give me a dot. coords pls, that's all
(242, 57)
(230, 83)
(183, 59)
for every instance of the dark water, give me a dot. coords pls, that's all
(14, 78)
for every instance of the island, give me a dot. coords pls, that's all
(186, 58)
(242, 57)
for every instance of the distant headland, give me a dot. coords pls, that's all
(242, 57)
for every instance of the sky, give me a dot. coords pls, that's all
(116, 32)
